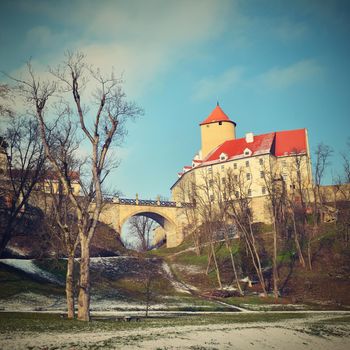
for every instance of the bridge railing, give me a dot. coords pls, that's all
(146, 202)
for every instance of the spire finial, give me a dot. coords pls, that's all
(217, 101)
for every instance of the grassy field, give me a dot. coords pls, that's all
(46, 322)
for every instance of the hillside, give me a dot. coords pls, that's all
(178, 278)
(37, 244)
(118, 283)
(326, 286)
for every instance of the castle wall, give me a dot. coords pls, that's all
(214, 134)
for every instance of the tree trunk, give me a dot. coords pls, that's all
(274, 262)
(309, 253)
(234, 268)
(210, 253)
(70, 286)
(297, 244)
(84, 280)
(197, 243)
(148, 293)
(216, 265)
(256, 259)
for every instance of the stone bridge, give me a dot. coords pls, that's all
(169, 215)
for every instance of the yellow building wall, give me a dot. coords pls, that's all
(214, 134)
(261, 170)
(51, 186)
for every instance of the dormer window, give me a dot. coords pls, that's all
(247, 152)
(223, 157)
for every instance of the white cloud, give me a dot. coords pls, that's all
(284, 77)
(214, 86)
(143, 39)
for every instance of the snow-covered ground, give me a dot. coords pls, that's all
(28, 266)
(290, 334)
(115, 266)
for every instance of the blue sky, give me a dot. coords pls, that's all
(273, 65)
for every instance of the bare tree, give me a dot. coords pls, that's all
(60, 211)
(187, 194)
(342, 198)
(277, 198)
(5, 98)
(205, 206)
(23, 171)
(298, 202)
(323, 153)
(223, 217)
(346, 163)
(141, 228)
(238, 195)
(99, 129)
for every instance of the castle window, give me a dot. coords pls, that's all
(284, 176)
(237, 194)
(212, 198)
(249, 193)
(210, 169)
(220, 123)
(262, 174)
(223, 180)
(247, 163)
(263, 190)
(223, 156)
(222, 167)
(247, 152)
(234, 165)
(248, 176)
(211, 182)
(261, 161)
(236, 177)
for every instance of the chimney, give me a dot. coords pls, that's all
(249, 137)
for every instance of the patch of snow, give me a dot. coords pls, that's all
(192, 269)
(16, 250)
(32, 302)
(229, 288)
(28, 266)
(180, 287)
(267, 307)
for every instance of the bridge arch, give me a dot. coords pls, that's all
(169, 215)
(163, 220)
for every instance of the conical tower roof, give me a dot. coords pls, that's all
(217, 115)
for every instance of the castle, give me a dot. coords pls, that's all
(250, 161)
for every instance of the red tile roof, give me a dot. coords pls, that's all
(279, 144)
(289, 142)
(233, 148)
(217, 115)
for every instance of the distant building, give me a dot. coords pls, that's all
(50, 183)
(251, 160)
(3, 156)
